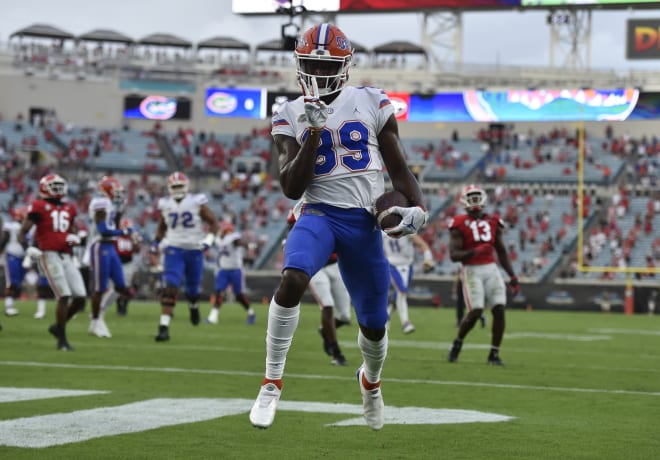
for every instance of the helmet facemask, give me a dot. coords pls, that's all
(474, 199)
(331, 72)
(178, 190)
(323, 53)
(58, 188)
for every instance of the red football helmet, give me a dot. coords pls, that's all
(112, 188)
(473, 198)
(53, 186)
(323, 52)
(19, 213)
(178, 185)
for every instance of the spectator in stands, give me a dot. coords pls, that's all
(474, 236)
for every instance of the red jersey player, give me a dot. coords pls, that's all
(54, 237)
(473, 237)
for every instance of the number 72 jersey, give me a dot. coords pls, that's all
(476, 232)
(185, 228)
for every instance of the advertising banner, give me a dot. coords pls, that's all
(643, 39)
(155, 107)
(236, 102)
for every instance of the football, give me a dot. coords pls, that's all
(386, 201)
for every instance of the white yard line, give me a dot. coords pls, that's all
(325, 377)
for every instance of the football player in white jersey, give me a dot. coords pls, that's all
(333, 143)
(182, 219)
(16, 265)
(14, 253)
(127, 246)
(231, 249)
(400, 253)
(105, 212)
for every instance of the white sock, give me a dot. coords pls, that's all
(108, 299)
(213, 314)
(165, 320)
(282, 323)
(9, 302)
(402, 307)
(41, 306)
(373, 354)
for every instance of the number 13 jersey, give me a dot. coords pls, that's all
(476, 232)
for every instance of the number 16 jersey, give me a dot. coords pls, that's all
(53, 221)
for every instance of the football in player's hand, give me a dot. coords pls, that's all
(386, 201)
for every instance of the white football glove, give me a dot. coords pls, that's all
(412, 220)
(27, 262)
(208, 241)
(33, 252)
(316, 110)
(72, 239)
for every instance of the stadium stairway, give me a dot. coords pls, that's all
(174, 162)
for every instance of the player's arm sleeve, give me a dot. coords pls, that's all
(385, 109)
(281, 121)
(201, 199)
(102, 228)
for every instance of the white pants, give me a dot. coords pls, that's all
(483, 286)
(63, 276)
(328, 289)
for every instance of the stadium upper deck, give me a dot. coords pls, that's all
(274, 69)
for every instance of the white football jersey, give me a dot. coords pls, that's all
(101, 203)
(349, 166)
(399, 251)
(184, 225)
(13, 247)
(230, 256)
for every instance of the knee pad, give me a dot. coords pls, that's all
(169, 296)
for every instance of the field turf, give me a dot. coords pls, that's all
(575, 386)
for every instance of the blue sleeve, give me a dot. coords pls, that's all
(102, 228)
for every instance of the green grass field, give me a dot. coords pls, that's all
(576, 386)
